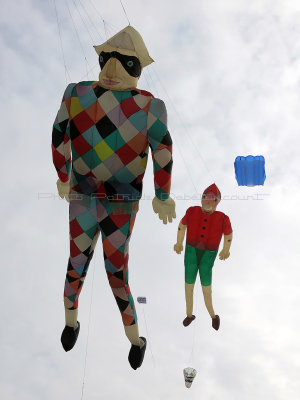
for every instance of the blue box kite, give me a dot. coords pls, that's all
(250, 170)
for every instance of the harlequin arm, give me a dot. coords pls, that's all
(161, 146)
(61, 145)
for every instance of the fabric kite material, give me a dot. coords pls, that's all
(212, 190)
(250, 170)
(199, 260)
(108, 134)
(100, 144)
(128, 39)
(205, 227)
(204, 231)
(115, 220)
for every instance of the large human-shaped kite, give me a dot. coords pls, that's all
(100, 142)
(205, 227)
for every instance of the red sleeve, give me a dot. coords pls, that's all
(227, 230)
(185, 219)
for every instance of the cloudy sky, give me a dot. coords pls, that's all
(229, 73)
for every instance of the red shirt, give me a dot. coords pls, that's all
(204, 231)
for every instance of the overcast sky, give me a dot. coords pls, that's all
(229, 73)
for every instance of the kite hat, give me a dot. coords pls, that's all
(213, 188)
(128, 39)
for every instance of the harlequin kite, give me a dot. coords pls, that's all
(100, 143)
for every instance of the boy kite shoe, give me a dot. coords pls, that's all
(136, 354)
(216, 322)
(69, 337)
(188, 320)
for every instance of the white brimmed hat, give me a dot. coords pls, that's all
(128, 39)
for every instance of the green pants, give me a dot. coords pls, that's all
(202, 260)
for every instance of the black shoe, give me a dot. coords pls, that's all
(188, 320)
(69, 337)
(216, 322)
(136, 354)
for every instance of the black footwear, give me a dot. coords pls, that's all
(188, 320)
(216, 322)
(69, 336)
(136, 354)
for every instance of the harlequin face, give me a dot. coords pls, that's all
(120, 69)
(209, 202)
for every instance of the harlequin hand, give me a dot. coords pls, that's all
(165, 209)
(178, 248)
(224, 254)
(63, 189)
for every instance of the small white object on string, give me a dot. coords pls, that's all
(189, 375)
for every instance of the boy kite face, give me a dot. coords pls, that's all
(120, 68)
(211, 197)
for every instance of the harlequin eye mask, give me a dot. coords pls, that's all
(130, 63)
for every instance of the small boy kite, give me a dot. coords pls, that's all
(205, 227)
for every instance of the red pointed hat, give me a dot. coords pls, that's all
(213, 188)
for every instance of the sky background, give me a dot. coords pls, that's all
(229, 73)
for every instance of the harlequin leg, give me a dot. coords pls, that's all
(84, 232)
(116, 227)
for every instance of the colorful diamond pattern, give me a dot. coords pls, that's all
(115, 221)
(109, 133)
(113, 129)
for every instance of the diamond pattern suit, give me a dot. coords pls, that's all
(100, 141)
